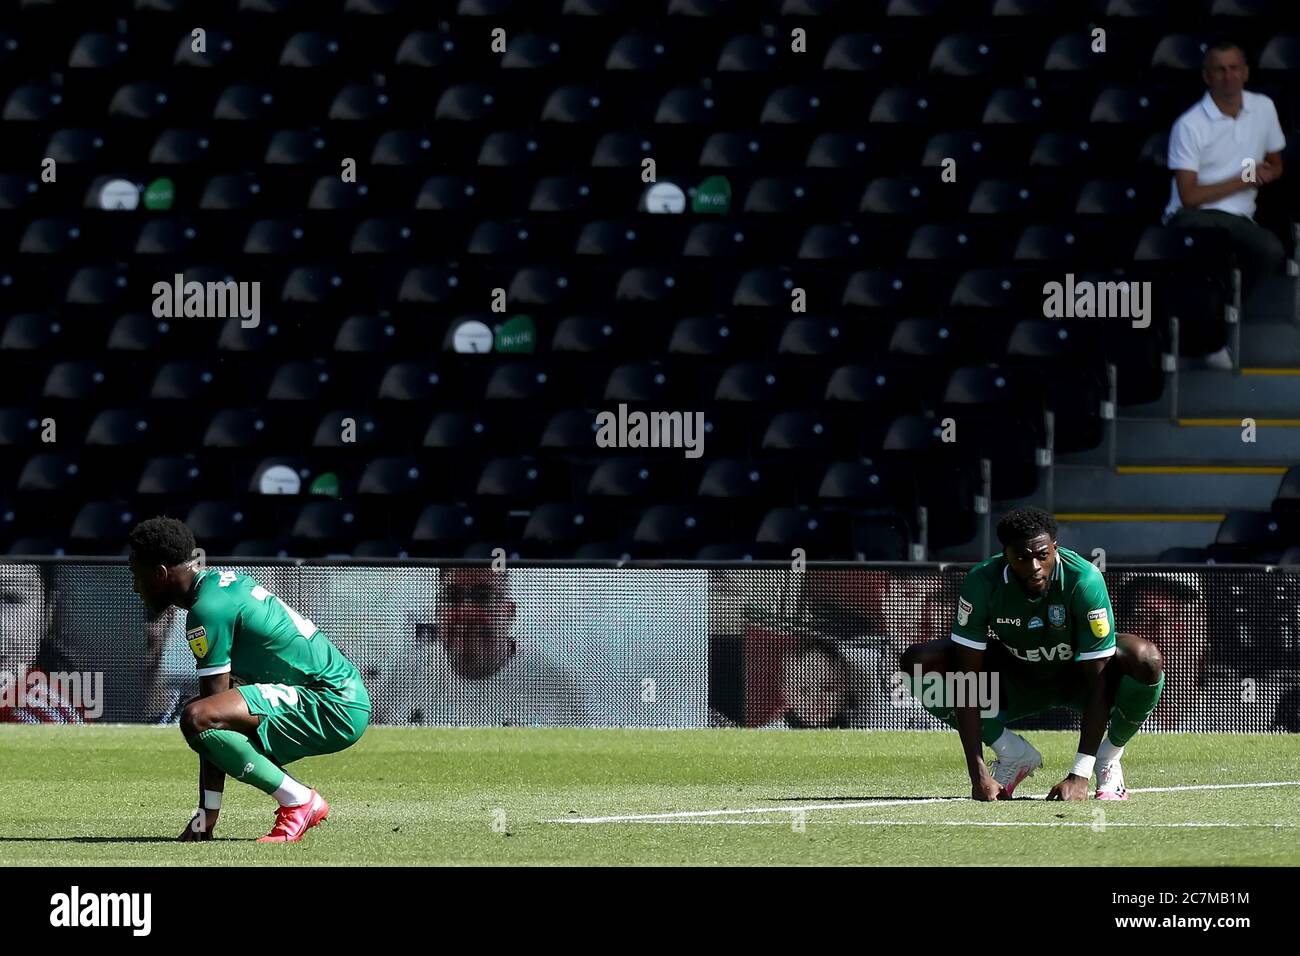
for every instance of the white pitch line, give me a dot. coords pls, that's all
(988, 823)
(1214, 786)
(684, 814)
(864, 804)
(1068, 823)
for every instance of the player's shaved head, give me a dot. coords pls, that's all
(161, 540)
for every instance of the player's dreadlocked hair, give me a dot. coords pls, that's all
(1020, 524)
(162, 540)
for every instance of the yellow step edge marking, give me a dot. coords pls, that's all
(1089, 516)
(1236, 422)
(1270, 371)
(1201, 469)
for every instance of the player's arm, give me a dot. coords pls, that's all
(970, 638)
(1094, 646)
(983, 786)
(211, 777)
(210, 638)
(1092, 729)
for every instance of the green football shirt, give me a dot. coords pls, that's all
(235, 625)
(1073, 621)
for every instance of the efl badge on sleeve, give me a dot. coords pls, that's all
(198, 638)
(964, 607)
(1100, 622)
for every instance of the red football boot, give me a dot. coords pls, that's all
(292, 822)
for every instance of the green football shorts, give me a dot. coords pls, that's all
(302, 722)
(1022, 698)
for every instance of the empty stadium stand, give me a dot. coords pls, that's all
(839, 263)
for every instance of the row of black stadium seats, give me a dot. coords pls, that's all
(592, 307)
(993, 46)
(1140, 194)
(698, 12)
(850, 429)
(566, 451)
(772, 174)
(818, 102)
(891, 477)
(588, 530)
(1131, 134)
(364, 348)
(454, 530)
(446, 529)
(1079, 244)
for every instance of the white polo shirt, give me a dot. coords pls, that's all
(1212, 144)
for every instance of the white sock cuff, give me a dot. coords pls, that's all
(291, 793)
(1108, 753)
(1008, 743)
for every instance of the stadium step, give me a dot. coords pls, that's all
(1258, 392)
(1166, 488)
(1202, 441)
(1136, 537)
(1277, 300)
(1270, 344)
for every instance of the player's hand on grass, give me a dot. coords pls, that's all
(986, 789)
(1071, 788)
(200, 826)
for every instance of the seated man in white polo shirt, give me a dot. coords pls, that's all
(1213, 184)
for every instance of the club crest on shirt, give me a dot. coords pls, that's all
(198, 640)
(1056, 615)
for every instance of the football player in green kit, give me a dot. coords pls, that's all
(298, 696)
(1039, 616)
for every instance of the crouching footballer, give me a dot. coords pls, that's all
(298, 696)
(1039, 617)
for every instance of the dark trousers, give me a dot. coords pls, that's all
(1259, 251)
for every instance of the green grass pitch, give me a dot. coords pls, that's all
(113, 795)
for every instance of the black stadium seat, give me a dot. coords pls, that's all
(1287, 498)
(1257, 535)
